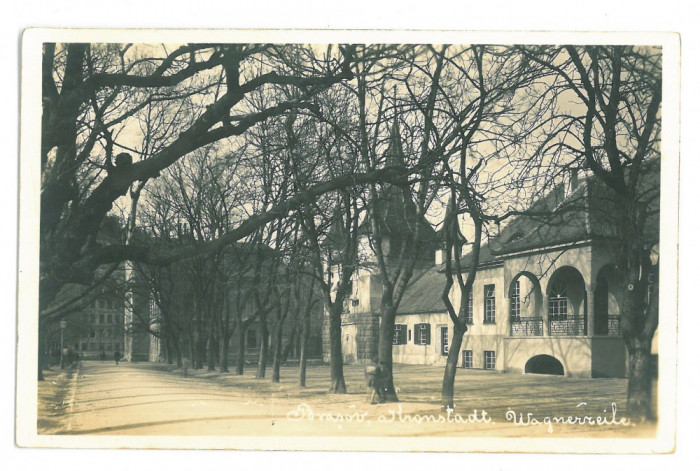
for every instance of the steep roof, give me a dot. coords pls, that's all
(397, 214)
(583, 214)
(424, 293)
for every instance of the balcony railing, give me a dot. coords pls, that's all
(614, 325)
(609, 325)
(567, 327)
(534, 327)
(526, 326)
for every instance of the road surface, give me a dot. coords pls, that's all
(152, 399)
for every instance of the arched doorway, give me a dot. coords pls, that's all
(566, 303)
(525, 305)
(544, 365)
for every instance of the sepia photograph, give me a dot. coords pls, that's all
(348, 241)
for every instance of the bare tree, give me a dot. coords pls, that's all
(605, 119)
(89, 94)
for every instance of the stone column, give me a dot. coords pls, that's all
(590, 305)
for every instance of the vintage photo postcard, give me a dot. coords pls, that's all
(348, 240)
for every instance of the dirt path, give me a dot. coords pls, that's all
(148, 399)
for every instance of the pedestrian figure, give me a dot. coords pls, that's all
(117, 357)
(185, 366)
(375, 374)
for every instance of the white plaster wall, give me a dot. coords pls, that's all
(574, 353)
(422, 354)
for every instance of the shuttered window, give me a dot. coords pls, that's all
(400, 334)
(421, 334)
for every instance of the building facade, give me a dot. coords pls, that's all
(543, 301)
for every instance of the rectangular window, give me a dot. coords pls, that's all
(490, 304)
(422, 334)
(467, 359)
(489, 360)
(557, 308)
(470, 308)
(444, 341)
(355, 302)
(515, 301)
(400, 334)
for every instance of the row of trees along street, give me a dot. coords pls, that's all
(239, 172)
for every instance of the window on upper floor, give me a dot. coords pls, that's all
(558, 305)
(515, 301)
(490, 304)
(470, 307)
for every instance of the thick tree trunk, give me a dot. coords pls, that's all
(171, 342)
(448, 380)
(195, 347)
(240, 360)
(302, 360)
(277, 355)
(289, 346)
(178, 354)
(639, 320)
(211, 349)
(336, 350)
(639, 384)
(223, 360)
(304, 344)
(264, 344)
(386, 344)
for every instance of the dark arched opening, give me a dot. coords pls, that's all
(525, 299)
(566, 303)
(544, 365)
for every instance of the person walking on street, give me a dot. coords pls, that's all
(117, 357)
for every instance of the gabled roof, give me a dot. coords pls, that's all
(583, 214)
(424, 293)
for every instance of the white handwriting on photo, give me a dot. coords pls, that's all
(521, 419)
